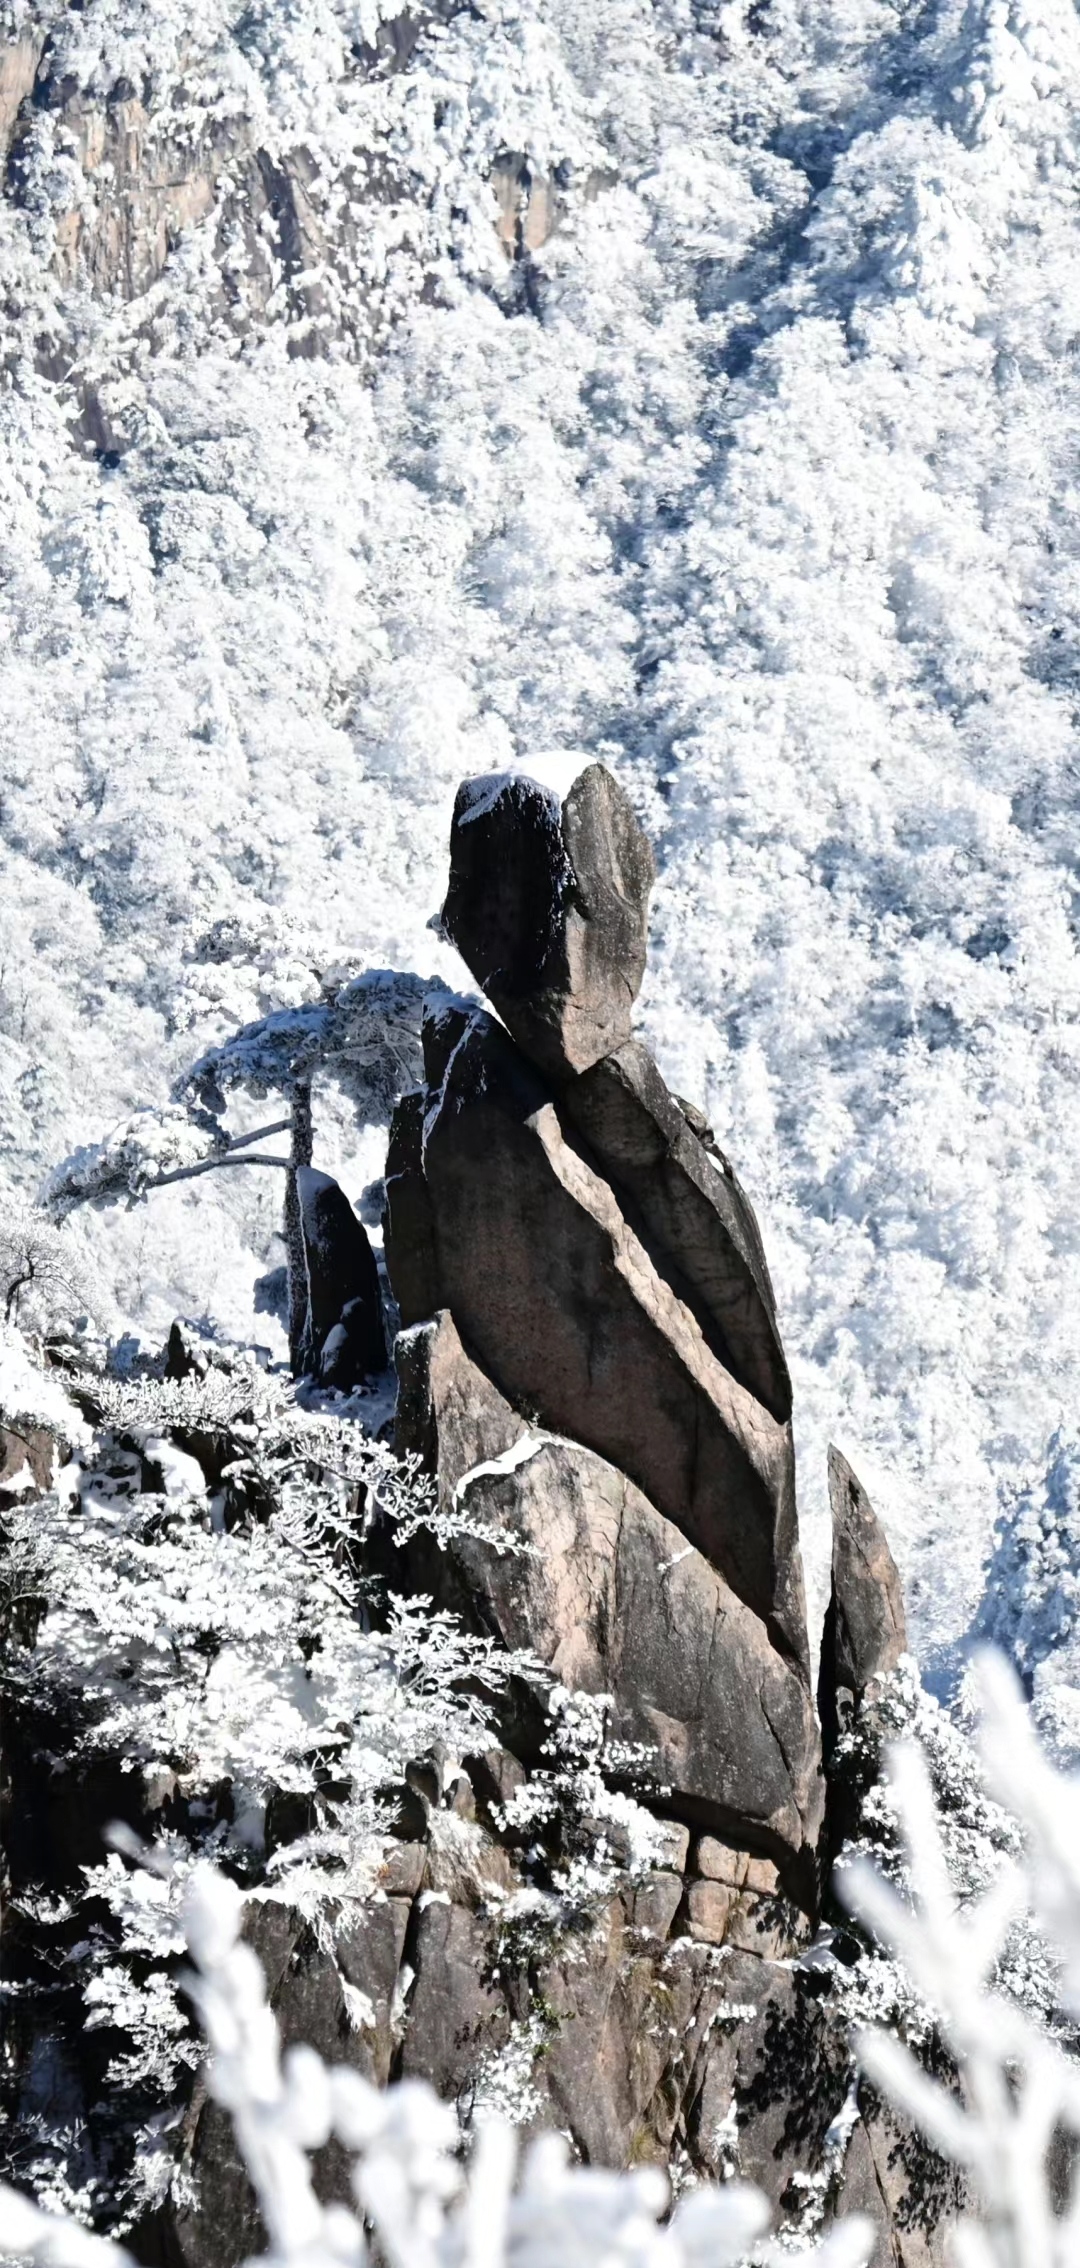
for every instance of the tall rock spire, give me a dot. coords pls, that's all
(592, 1351)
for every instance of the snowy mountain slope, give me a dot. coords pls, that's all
(757, 477)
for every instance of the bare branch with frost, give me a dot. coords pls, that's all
(1019, 2087)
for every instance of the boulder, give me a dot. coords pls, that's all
(345, 1340)
(29, 1457)
(408, 1220)
(865, 1630)
(609, 1597)
(564, 1307)
(694, 1216)
(548, 904)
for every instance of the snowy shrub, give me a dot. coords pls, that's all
(602, 1834)
(211, 1619)
(1018, 2085)
(189, 1629)
(426, 2204)
(981, 1839)
(43, 1278)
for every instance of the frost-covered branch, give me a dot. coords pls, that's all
(235, 1155)
(42, 1281)
(151, 1150)
(366, 1032)
(1019, 2087)
(365, 1035)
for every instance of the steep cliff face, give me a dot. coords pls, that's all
(590, 1367)
(119, 142)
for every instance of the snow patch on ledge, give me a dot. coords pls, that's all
(29, 1394)
(527, 1446)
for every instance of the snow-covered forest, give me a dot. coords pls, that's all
(691, 385)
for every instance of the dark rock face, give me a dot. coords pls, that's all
(865, 1627)
(605, 1379)
(562, 1305)
(19, 59)
(408, 1222)
(611, 1600)
(345, 1340)
(548, 905)
(693, 1211)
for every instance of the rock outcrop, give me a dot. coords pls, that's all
(590, 1365)
(134, 163)
(692, 1209)
(608, 1595)
(548, 906)
(345, 1338)
(583, 1265)
(27, 1462)
(865, 1630)
(651, 2047)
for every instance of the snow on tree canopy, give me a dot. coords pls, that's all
(368, 1029)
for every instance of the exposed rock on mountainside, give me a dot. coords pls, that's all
(661, 1153)
(548, 906)
(865, 1630)
(864, 1638)
(612, 1600)
(598, 1273)
(345, 1342)
(146, 159)
(576, 1318)
(648, 2052)
(27, 1461)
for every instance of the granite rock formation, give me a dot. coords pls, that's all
(612, 1600)
(590, 1366)
(548, 906)
(345, 1338)
(582, 1263)
(865, 1630)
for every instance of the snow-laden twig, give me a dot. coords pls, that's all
(1019, 2088)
